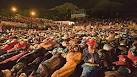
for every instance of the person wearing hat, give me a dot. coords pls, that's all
(106, 56)
(132, 53)
(91, 59)
(123, 48)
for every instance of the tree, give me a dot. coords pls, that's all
(64, 11)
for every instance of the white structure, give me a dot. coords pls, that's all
(82, 15)
(65, 22)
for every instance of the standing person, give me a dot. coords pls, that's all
(91, 59)
(132, 53)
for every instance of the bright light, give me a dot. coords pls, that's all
(13, 9)
(33, 13)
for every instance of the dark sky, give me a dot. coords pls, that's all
(126, 5)
(51, 3)
(31, 3)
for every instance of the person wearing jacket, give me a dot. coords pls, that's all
(132, 53)
(52, 64)
(17, 49)
(20, 45)
(91, 59)
(8, 55)
(9, 46)
(47, 67)
(14, 58)
(27, 59)
(73, 58)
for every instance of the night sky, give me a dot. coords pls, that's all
(46, 4)
(129, 6)
(31, 3)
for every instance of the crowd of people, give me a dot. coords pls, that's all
(27, 22)
(86, 49)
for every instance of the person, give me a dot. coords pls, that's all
(121, 72)
(46, 68)
(73, 58)
(123, 48)
(132, 53)
(7, 73)
(23, 75)
(9, 46)
(111, 36)
(40, 52)
(91, 59)
(20, 45)
(106, 56)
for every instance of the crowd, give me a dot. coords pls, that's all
(87, 49)
(27, 22)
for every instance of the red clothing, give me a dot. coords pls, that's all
(122, 60)
(9, 46)
(18, 46)
(21, 45)
(91, 42)
(132, 57)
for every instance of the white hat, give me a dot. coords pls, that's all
(107, 47)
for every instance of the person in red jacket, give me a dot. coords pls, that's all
(122, 60)
(132, 53)
(9, 46)
(21, 44)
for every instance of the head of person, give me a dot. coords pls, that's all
(73, 45)
(7, 73)
(91, 43)
(23, 75)
(107, 47)
(134, 43)
(124, 70)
